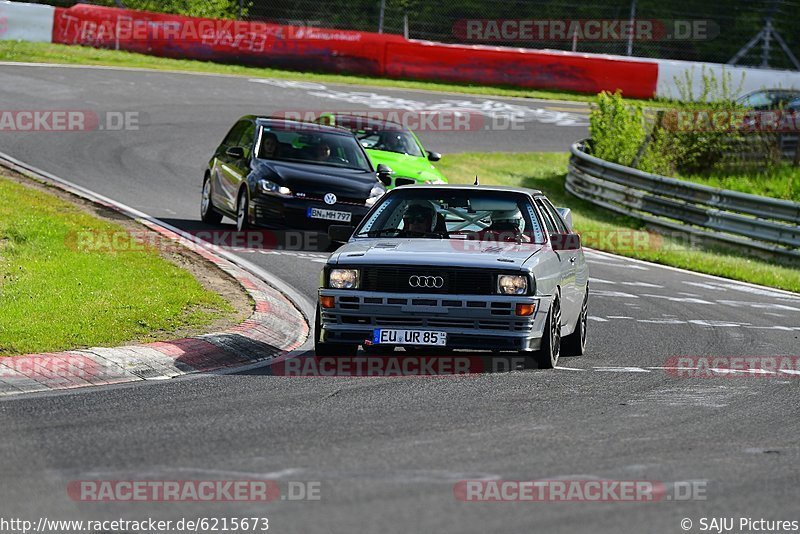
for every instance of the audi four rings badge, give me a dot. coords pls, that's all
(430, 282)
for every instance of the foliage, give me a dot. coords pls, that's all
(703, 133)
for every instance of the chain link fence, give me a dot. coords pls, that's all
(763, 33)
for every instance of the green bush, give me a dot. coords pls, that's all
(691, 136)
(617, 128)
(212, 9)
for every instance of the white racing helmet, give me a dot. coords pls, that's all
(511, 218)
(422, 208)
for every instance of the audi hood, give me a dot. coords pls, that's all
(444, 252)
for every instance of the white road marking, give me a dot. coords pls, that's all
(641, 284)
(758, 305)
(784, 328)
(569, 368)
(601, 281)
(704, 285)
(734, 371)
(678, 299)
(619, 265)
(615, 294)
(618, 317)
(598, 319)
(715, 324)
(661, 321)
(621, 369)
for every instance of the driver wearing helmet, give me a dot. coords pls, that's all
(508, 225)
(419, 219)
(395, 143)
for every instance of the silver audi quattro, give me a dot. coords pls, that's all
(456, 267)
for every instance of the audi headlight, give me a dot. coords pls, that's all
(376, 193)
(509, 284)
(268, 186)
(343, 279)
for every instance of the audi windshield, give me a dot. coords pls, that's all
(444, 213)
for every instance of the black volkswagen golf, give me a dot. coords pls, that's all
(303, 175)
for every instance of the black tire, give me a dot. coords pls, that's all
(547, 356)
(242, 209)
(330, 349)
(575, 343)
(207, 213)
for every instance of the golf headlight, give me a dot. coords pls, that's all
(508, 284)
(376, 193)
(268, 186)
(344, 279)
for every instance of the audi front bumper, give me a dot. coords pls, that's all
(477, 322)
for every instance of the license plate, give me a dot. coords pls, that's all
(385, 336)
(329, 215)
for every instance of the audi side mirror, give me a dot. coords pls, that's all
(565, 241)
(236, 152)
(385, 174)
(340, 233)
(434, 156)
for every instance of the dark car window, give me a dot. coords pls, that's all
(548, 220)
(764, 100)
(235, 133)
(312, 145)
(551, 210)
(247, 138)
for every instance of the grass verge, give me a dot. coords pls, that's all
(604, 230)
(83, 55)
(782, 181)
(55, 296)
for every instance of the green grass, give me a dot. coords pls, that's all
(780, 182)
(55, 296)
(83, 55)
(604, 230)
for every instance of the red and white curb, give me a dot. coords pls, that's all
(276, 327)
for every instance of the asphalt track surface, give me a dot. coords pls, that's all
(388, 451)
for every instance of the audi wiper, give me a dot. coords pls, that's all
(395, 232)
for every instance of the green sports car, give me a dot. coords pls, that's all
(389, 143)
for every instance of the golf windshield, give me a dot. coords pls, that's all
(311, 145)
(444, 213)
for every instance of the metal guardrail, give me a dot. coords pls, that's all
(767, 224)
